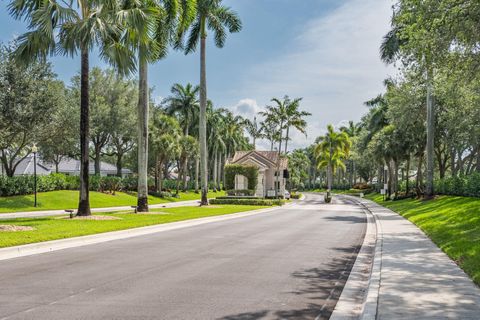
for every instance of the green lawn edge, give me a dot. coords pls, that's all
(451, 222)
(68, 199)
(55, 228)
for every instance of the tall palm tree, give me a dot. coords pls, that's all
(184, 103)
(254, 130)
(150, 28)
(68, 27)
(331, 150)
(295, 119)
(212, 15)
(278, 114)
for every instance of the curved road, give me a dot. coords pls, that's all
(290, 263)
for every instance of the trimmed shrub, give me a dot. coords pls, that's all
(240, 192)
(238, 197)
(251, 202)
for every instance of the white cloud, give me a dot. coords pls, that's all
(333, 64)
(247, 108)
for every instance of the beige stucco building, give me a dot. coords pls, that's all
(266, 162)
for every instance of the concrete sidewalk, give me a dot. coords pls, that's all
(417, 279)
(46, 213)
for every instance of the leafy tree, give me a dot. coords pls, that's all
(29, 98)
(212, 15)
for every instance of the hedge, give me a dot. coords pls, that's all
(250, 172)
(252, 202)
(468, 186)
(238, 197)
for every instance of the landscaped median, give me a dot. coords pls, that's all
(452, 223)
(61, 227)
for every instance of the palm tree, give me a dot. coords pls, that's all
(330, 152)
(150, 27)
(164, 133)
(68, 28)
(184, 103)
(188, 147)
(254, 130)
(295, 119)
(212, 15)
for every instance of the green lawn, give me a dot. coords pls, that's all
(67, 199)
(453, 223)
(52, 228)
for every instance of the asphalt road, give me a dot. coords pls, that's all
(289, 263)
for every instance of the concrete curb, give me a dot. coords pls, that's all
(355, 301)
(54, 245)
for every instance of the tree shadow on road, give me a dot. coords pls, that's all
(316, 295)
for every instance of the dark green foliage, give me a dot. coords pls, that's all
(238, 197)
(252, 202)
(468, 186)
(250, 172)
(245, 192)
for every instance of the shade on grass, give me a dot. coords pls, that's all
(67, 199)
(453, 224)
(53, 228)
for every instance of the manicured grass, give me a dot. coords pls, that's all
(67, 199)
(53, 228)
(453, 223)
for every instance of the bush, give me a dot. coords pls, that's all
(295, 195)
(251, 202)
(238, 197)
(468, 186)
(240, 192)
(361, 186)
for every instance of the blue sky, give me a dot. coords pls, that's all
(325, 51)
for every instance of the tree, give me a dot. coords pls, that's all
(188, 149)
(68, 27)
(254, 130)
(29, 98)
(151, 27)
(212, 15)
(299, 166)
(295, 119)
(184, 104)
(164, 134)
(331, 150)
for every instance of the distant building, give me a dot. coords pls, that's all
(266, 162)
(67, 166)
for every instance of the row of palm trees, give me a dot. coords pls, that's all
(129, 35)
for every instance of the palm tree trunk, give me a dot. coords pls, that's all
(142, 110)
(185, 170)
(286, 139)
(277, 183)
(203, 120)
(84, 201)
(215, 160)
(197, 169)
(430, 135)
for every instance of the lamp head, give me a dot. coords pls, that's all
(34, 149)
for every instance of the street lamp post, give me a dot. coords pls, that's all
(34, 150)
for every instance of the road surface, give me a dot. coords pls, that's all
(290, 263)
